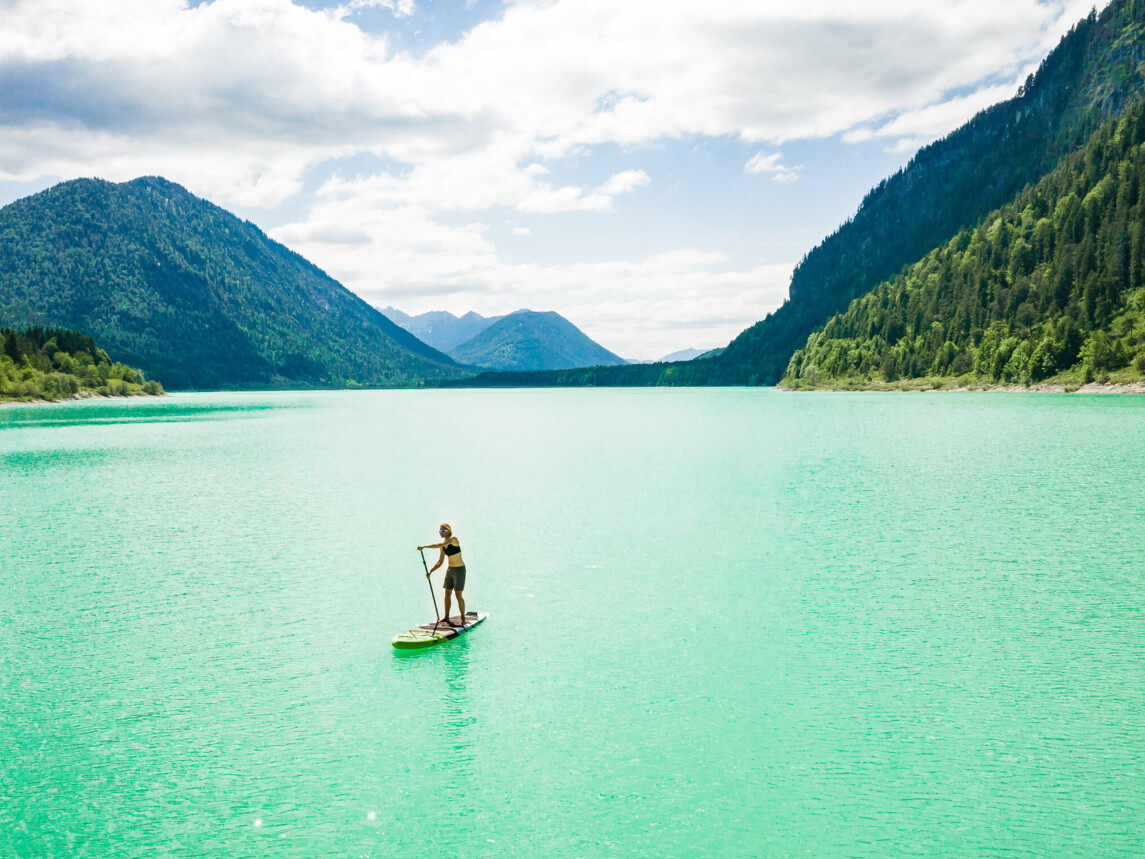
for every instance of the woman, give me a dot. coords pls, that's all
(454, 570)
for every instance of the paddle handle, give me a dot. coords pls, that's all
(433, 596)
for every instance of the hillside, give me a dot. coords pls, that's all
(529, 340)
(1095, 73)
(54, 364)
(1051, 285)
(196, 297)
(439, 328)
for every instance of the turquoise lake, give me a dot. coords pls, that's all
(730, 622)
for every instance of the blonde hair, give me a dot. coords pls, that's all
(445, 527)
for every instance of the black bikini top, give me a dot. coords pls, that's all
(452, 548)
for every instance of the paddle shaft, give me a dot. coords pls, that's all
(433, 596)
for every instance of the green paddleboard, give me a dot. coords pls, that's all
(429, 634)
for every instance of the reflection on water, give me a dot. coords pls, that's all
(442, 676)
(100, 411)
(457, 715)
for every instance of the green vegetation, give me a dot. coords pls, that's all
(173, 284)
(192, 294)
(56, 364)
(1049, 287)
(531, 340)
(624, 376)
(1094, 74)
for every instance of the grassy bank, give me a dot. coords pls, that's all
(48, 364)
(1129, 380)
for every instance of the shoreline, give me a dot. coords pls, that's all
(1106, 388)
(1043, 388)
(82, 395)
(1040, 388)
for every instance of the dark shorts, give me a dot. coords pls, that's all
(455, 578)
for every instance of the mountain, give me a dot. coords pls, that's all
(1052, 283)
(684, 355)
(528, 340)
(191, 294)
(1094, 74)
(441, 329)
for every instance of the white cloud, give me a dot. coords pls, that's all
(760, 163)
(916, 127)
(622, 183)
(407, 249)
(536, 84)
(401, 8)
(640, 308)
(244, 100)
(481, 180)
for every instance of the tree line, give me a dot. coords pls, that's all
(1094, 74)
(54, 363)
(1052, 283)
(194, 295)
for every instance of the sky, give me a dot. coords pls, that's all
(650, 169)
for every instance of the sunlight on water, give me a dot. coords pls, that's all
(727, 622)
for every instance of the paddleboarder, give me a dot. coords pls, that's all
(454, 570)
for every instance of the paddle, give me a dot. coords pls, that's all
(433, 596)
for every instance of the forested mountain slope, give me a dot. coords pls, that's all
(1053, 281)
(532, 340)
(196, 297)
(1095, 73)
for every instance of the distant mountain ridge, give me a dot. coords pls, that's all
(684, 355)
(439, 328)
(194, 296)
(531, 340)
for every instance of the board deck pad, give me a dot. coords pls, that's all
(429, 634)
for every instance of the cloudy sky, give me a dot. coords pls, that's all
(651, 169)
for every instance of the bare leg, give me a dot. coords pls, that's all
(448, 596)
(461, 606)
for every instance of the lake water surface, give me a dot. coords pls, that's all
(722, 623)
